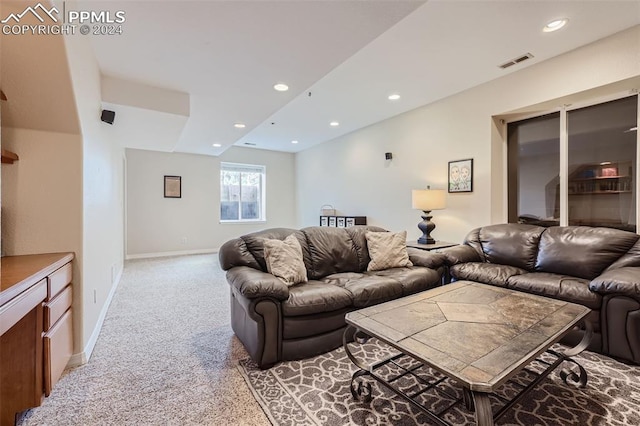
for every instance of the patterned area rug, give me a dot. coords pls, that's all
(316, 391)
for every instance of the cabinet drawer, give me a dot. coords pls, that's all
(54, 309)
(18, 307)
(58, 348)
(59, 280)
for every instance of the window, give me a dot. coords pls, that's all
(242, 192)
(593, 183)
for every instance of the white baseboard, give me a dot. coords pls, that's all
(171, 253)
(83, 357)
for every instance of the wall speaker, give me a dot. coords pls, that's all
(108, 116)
(388, 156)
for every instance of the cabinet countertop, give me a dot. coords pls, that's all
(21, 272)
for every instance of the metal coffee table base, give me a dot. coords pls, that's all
(474, 401)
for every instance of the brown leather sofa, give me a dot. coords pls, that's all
(276, 322)
(595, 267)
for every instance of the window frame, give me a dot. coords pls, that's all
(239, 168)
(564, 109)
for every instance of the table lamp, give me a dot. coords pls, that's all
(427, 200)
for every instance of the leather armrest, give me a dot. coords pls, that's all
(622, 281)
(425, 258)
(460, 254)
(252, 283)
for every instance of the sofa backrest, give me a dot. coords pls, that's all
(507, 244)
(334, 250)
(578, 251)
(248, 250)
(582, 251)
(325, 250)
(630, 258)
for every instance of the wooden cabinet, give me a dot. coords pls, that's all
(36, 329)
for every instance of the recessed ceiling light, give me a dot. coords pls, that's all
(555, 25)
(281, 87)
(217, 145)
(394, 97)
(294, 141)
(239, 126)
(334, 124)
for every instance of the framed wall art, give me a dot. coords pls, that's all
(461, 175)
(172, 187)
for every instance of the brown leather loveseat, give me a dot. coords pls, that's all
(278, 322)
(595, 267)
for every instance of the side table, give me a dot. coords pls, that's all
(446, 278)
(437, 245)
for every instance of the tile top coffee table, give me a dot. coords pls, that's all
(478, 335)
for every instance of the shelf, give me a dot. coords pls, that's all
(600, 178)
(9, 157)
(600, 192)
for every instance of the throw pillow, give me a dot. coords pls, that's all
(284, 260)
(387, 250)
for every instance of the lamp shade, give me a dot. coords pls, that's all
(428, 199)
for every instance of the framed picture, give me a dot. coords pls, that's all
(350, 221)
(324, 221)
(341, 222)
(332, 221)
(173, 187)
(461, 175)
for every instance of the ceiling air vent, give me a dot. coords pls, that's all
(250, 143)
(516, 60)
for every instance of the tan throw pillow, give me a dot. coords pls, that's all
(387, 250)
(284, 260)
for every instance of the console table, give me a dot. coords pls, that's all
(36, 334)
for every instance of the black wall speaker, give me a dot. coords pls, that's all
(388, 156)
(108, 116)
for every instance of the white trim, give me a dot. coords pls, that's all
(564, 168)
(171, 253)
(637, 168)
(83, 357)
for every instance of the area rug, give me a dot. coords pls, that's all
(316, 391)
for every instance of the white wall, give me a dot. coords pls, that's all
(42, 193)
(158, 225)
(350, 172)
(102, 195)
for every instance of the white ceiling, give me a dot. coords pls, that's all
(348, 55)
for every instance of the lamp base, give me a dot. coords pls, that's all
(426, 226)
(429, 240)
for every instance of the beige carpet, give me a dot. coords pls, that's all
(166, 355)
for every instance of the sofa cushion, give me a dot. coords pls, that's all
(582, 251)
(387, 250)
(511, 244)
(368, 288)
(315, 297)
(412, 279)
(563, 287)
(331, 250)
(284, 260)
(487, 273)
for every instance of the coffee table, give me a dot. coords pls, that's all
(477, 336)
